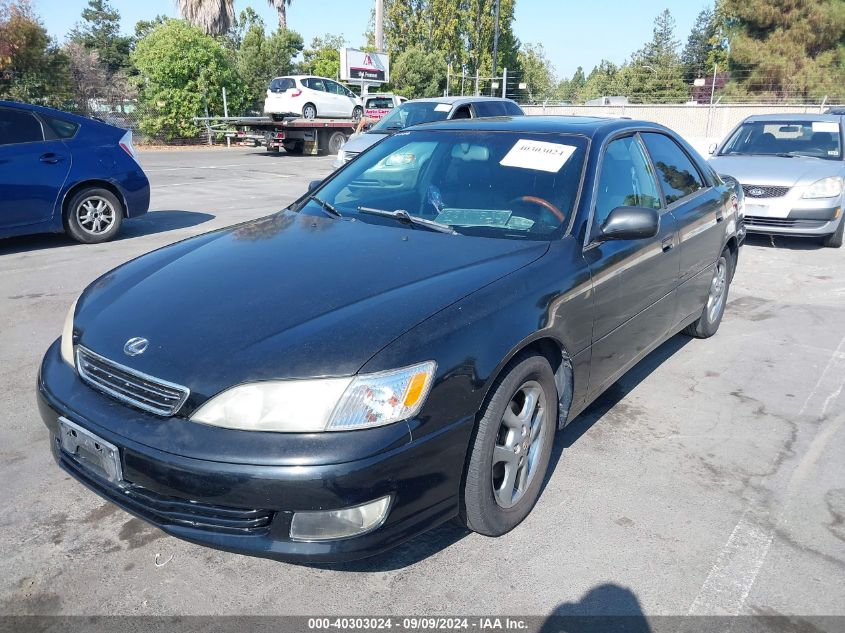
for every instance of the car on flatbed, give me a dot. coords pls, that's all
(419, 111)
(399, 346)
(64, 173)
(311, 97)
(792, 171)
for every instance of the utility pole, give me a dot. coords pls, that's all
(380, 26)
(496, 39)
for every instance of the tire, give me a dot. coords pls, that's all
(717, 297)
(357, 113)
(335, 142)
(488, 504)
(94, 215)
(834, 240)
(295, 148)
(309, 111)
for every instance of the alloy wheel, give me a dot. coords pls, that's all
(717, 289)
(95, 215)
(519, 444)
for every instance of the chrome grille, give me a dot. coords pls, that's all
(130, 386)
(764, 191)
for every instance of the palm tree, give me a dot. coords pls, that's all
(215, 17)
(281, 7)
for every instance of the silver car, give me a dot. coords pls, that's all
(419, 111)
(792, 171)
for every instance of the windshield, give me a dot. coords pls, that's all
(819, 139)
(492, 184)
(409, 114)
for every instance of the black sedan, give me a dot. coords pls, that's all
(399, 346)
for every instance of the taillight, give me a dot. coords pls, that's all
(295, 93)
(126, 145)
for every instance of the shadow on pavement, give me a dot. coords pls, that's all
(148, 224)
(606, 608)
(784, 241)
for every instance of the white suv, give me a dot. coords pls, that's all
(311, 97)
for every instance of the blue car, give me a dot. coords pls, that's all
(65, 173)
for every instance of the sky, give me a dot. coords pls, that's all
(573, 32)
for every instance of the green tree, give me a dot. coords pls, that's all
(32, 68)
(536, 72)
(790, 49)
(417, 73)
(655, 74)
(182, 72)
(99, 31)
(602, 81)
(145, 27)
(260, 58)
(706, 45)
(570, 89)
(322, 57)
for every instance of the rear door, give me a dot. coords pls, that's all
(34, 165)
(699, 211)
(634, 281)
(319, 96)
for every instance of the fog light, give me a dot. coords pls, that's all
(337, 524)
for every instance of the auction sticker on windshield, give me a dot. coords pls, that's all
(825, 126)
(538, 155)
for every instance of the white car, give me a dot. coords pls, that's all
(379, 104)
(311, 97)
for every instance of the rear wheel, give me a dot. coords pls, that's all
(834, 240)
(335, 142)
(94, 215)
(717, 296)
(309, 111)
(357, 113)
(511, 448)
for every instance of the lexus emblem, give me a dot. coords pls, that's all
(756, 192)
(135, 346)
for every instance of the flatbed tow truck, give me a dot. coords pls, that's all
(312, 137)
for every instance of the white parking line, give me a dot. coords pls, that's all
(731, 578)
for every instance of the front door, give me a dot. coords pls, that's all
(32, 169)
(634, 281)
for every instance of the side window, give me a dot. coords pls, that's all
(676, 171)
(316, 84)
(488, 108)
(335, 88)
(61, 128)
(17, 126)
(626, 180)
(512, 109)
(462, 113)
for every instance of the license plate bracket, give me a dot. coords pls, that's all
(90, 451)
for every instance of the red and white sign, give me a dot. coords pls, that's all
(356, 65)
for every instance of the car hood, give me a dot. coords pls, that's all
(359, 142)
(776, 170)
(287, 296)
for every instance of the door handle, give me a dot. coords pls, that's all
(668, 244)
(50, 158)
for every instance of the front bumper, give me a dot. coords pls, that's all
(247, 508)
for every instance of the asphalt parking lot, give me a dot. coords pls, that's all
(709, 480)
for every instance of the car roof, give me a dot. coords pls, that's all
(302, 77)
(456, 100)
(51, 112)
(792, 116)
(587, 125)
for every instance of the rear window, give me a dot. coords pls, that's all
(281, 84)
(496, 108)
(380, 103)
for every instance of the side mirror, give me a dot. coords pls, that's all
(630, 223)
(314, 184)
(712, 149)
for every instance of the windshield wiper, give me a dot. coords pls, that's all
(404, 216)
(329, 208)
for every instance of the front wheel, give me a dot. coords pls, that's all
(834, 240)
(93, 215)
(717, 296)
(357, 113)
(511, 448)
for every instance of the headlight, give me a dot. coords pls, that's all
(824, 188)
(67, 336)
(323, 404)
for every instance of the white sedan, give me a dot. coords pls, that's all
(311, 97)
